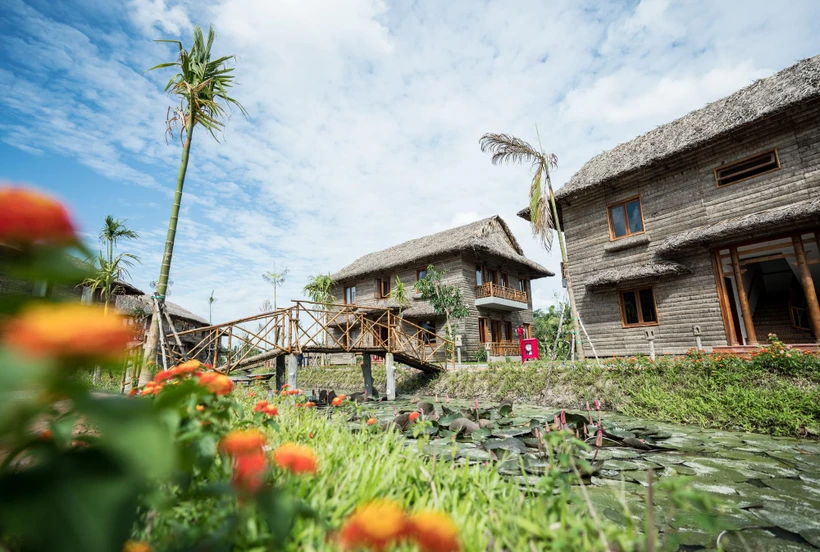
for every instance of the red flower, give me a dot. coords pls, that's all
(371, 421)
(413, 416)
(249, 472)
(163, 376)
(310, 404)
(260, 406)
(31, 217)
(186, 368)
(337, 401)
(296, 458)
(271, 410)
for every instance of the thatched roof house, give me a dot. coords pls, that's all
(490, 235)
(706, 225)
(483, 259)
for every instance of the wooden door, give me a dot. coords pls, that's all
(495, 330)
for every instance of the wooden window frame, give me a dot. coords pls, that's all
(504, 280)
(419, 271)
(640, 323)
(496, 336)
(485, 338)
(380, 282)
(777, 167)
(623, 204)
(353, 287)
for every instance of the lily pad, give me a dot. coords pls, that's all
(512, 432)
(509, 444)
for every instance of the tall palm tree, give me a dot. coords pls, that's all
(211, 301)
(505, 148)
(201, 85)
(110, 268)
(276, 279)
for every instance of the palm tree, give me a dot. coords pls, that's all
(202, 86)
(211, 301)
(505, 148)
(399, 295)
(276, 279)
(319, 289)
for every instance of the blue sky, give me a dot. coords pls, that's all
(364, 116)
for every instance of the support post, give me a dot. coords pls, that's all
(391, 376)
(280, 372)
(650, 337)
(367, 375)
(808, 286)
(292, 371)
(748, 323)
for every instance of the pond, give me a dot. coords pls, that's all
(770, 486)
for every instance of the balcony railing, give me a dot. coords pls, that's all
(504, 348)
(489, 289)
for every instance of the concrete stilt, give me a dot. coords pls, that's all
(292, 365)
(280, 372)
(391, 376)
(367, 375)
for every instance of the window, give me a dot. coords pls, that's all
(625, 218)
(492, 276)
(421, 273)
(482, 330)
(479, 275)
(522, 285)
(382, 288)
(508, 335)
(428, 337)
(747, 168)
(505, 280)
(350, 295)
(638, 307)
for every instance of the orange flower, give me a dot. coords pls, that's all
(242, 441)
(376, 526)
(371, 421)
(413, 416)
(136, 546)
(200, 407)
(296, 458)
(343, 397)
(285, 386)
(186, 368)
(163, 376)
(32, 217)
(133, 392)
(217, 383)
(337, 401)
(435, 532)
(249, 472)
(68, 330)
(45, 435)
(310, 404)
(271, 410)
(260, 406)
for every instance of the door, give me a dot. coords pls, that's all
(495, 331)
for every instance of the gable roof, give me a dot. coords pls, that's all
(490, 235)
(765, 97)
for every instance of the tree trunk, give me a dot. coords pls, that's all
(576, 327)
(162, 284)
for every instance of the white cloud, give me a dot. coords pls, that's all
(365, 117)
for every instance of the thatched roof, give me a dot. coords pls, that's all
(786, 89)
(127, 303)
(634, 273)
(490, 235)
(777, 219)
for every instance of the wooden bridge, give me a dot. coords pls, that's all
(308, 327)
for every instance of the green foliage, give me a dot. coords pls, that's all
(545, 329)
(320, 289)
(482, 355)
(445, 299)
(399, 294)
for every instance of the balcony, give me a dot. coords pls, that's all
(498, 297)
(504, 348)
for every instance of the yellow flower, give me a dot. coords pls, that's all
(68, 330)
(376, 526)
(434, 532)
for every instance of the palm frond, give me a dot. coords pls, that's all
(505, 148)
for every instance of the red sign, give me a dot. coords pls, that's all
(529, 349)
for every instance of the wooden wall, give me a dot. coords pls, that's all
(678, 195)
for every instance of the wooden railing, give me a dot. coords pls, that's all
(504, 348)
(489, 289)
(312, 327)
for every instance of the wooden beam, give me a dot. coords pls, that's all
(723, 299)
(748, 323)
(808, 286)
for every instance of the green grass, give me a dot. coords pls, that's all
(758, 395)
